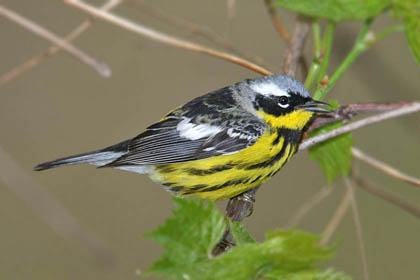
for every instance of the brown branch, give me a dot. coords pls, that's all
(36, 60)
(358, 226)
(336, 218)
(53, 213)
(99, 67)
(284, 34)
(306, 207)
(203, 31)
(387, 169)
(300, 32)
(347, 112)
(165, 38)
(388, 196)
(411, 108)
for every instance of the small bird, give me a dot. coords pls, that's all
(218, 145)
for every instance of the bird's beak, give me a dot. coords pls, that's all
(315, 106)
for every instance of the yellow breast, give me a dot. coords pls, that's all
(227, 175)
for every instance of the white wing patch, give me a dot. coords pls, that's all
(268, 88)
(196, 131)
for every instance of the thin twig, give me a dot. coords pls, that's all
(308, 205)
(36, 60)
(165, 38)
(336, 218)
(300, 32)
(53, 213)
(200, 30)
(414, 107)
(358, 226)
(382, 166)
(99, 67)
(347, 112)
(394, 199)
(284, 34)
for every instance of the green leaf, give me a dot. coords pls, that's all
(336, 10)
(412, 31)
(188, 237)
(406, 8)
(328, 274)
(289, 252)
(194, 230)
(283, 253)
(240, 234)
(409, 10)
(334, 155)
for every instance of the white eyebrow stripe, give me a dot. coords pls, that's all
(269, 89)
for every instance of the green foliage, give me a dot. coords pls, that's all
(409, 10)
(412, 25)
(189, 237)
(191, 234)
(334, 155)
(328, 274)
(240, 235)
(336, 10)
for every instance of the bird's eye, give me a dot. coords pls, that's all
(283, 101)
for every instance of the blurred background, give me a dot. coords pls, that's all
(83, 223)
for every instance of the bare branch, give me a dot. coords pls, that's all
(297, 42)
(306, 207)
(54, 214)
(414, 107)
(394, 199)
(99, 67)
(276, 21)
(382, 166)
(336, 218)
(203, 31)
(358, 225)
(347, 112)
(165, 38)
(36, 60)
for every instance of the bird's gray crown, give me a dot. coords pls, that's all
(278, 85)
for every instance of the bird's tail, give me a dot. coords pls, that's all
(99, 157)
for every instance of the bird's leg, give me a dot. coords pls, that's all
(237, 209)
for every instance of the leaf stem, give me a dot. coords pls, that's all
(322, 54)
(316, 29)
(313, 70)
(363, 42)
(326, 46)
(389, 30)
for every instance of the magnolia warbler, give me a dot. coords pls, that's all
(218, 145)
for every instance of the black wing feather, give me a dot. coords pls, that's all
(162, 143)
(223, 143)
(164, 146)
